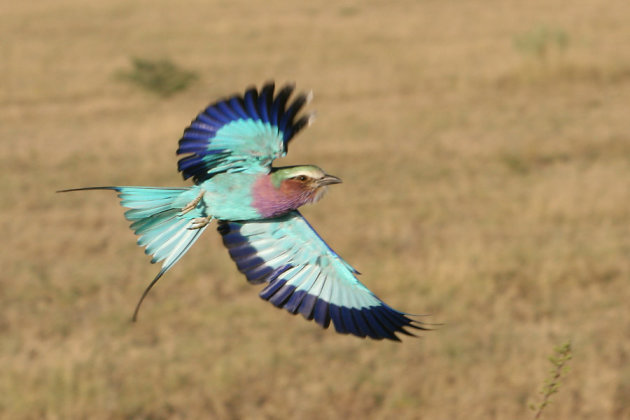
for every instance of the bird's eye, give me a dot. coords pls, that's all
(302, 177)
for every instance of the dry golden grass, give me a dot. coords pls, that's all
(482, 185)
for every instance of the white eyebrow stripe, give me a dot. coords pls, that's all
(311, 173)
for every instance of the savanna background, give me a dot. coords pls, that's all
(485, 152)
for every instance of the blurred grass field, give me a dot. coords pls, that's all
(485, 182)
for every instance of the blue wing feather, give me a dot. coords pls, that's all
(335, 316)
(321, 314)
(237, 105)
(286, 120)
(362, 325)
(205, 118)
(304, 275)
(265, 101)
(243, 133)
(215, 113)
(251, 97)
(228, 111)
(279, 104)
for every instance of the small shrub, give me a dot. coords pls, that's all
(542, 42)
(162, 77)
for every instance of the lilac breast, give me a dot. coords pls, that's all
(271, 202)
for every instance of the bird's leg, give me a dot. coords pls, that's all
(190, 206)
(199, 222)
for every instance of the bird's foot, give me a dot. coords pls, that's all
(199, 222)
(190, 206)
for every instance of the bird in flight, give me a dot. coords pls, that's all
(228, 150)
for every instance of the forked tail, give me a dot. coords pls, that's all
(165, 221)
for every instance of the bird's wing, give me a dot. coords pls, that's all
(306, 276)
(243, 133)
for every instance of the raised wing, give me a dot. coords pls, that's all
(243, 133)
(306, 276)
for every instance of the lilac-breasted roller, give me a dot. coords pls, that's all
(228, 150)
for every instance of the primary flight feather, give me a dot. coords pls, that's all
(228, 150)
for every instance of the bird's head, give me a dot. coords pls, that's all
(307, 182)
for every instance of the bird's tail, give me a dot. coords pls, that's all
(164, 220)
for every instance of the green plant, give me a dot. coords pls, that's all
(542, 41)
(562, 355)
(162, 77)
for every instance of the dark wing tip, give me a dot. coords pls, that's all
(377, 322)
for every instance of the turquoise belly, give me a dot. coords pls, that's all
(229, 197)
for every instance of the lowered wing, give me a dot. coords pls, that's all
(304, 275)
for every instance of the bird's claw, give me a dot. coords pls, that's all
(190, 206)
(199, 222)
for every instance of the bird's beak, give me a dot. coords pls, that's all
(328, 180)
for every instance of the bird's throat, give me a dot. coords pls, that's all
(270, 200)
